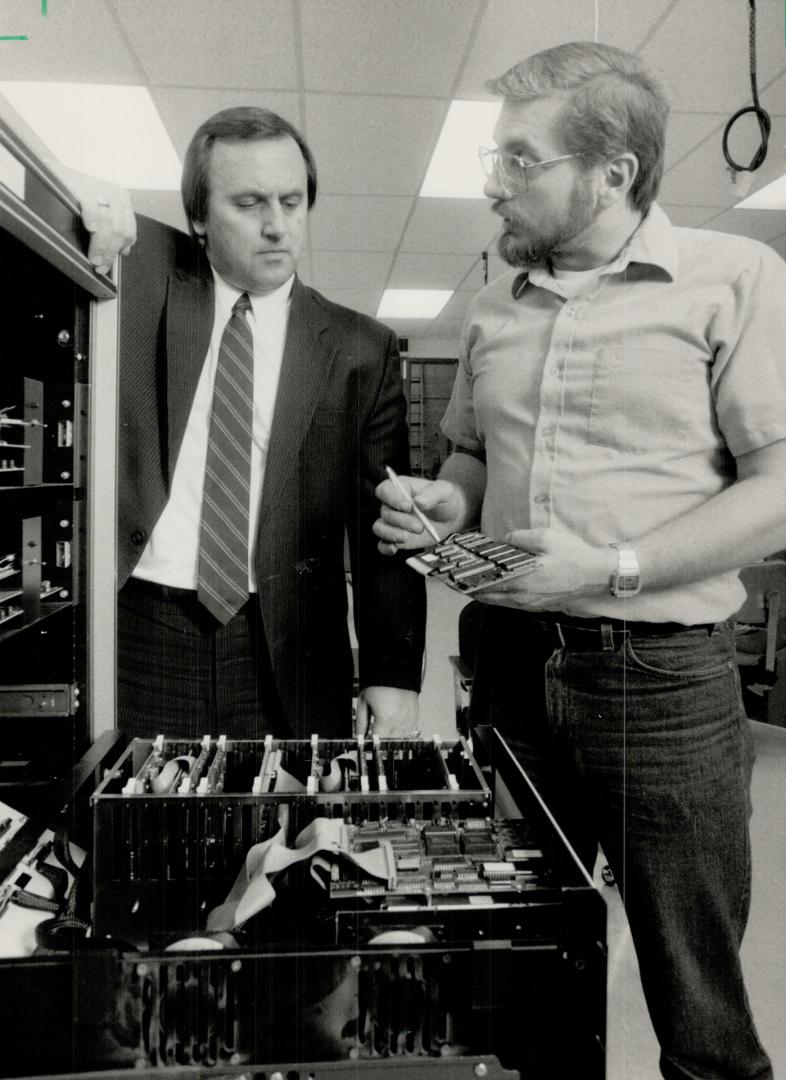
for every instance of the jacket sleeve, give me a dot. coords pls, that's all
(389, 598)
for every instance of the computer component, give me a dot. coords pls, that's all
(470, 561)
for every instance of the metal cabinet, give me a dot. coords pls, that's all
(58, 359)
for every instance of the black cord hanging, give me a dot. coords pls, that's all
(762, 116)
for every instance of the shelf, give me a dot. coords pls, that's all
(47, 612)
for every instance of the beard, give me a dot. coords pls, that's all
(522, 245)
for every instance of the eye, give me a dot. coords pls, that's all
(247, 202)
(292, 201)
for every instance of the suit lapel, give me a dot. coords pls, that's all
(305, 368)
(189, 325)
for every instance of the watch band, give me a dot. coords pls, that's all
(626, 579)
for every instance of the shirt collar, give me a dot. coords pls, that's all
(653, 244)
(266, 306)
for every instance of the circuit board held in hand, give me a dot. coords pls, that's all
(470, 561)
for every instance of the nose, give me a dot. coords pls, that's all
(273, 221)
(494, 188)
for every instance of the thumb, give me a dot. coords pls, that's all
(533, 540)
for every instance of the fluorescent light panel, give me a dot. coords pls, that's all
(454, 171)
(112, 132)
(412, 303)
(771, 197)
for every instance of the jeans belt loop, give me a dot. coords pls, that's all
(607, 636)
(560, 635)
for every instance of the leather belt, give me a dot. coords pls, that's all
(605, 634)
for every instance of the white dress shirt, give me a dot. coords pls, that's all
(172, 553)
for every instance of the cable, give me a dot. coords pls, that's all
(762, 116)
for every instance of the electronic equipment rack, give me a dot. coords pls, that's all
(477, 950)
(57, 475)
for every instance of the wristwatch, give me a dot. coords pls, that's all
(626, 579)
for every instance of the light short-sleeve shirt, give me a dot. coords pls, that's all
(609, 413)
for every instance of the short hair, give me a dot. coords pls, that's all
(613, 105)
(239, 124)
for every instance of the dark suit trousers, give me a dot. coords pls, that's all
(180, 673)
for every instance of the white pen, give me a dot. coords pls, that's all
(415, 509)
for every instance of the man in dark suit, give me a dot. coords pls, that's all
(328, 415)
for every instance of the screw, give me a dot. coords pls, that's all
(64, 338)
(235, 966)
(481, 1069)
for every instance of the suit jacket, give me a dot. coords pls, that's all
(339, 418)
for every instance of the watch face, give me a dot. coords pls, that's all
(626, 582)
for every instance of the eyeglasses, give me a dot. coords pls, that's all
(512, 169)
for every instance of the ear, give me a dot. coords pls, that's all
(619, 175)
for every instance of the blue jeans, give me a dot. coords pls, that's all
(644, 747)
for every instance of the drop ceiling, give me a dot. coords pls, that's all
(369, 83)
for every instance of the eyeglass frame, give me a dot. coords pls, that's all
(496, 155)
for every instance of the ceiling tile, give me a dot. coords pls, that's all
(164, 206)
(759, 224)
(514, 29)
(686, 130)
(689, 217)
(411, 271)
(237, 43)
(702, 176)
(183, 110)
(450, 225)
(349, 270)
(456, 307)
(366, 301)
(372, 145)
(73, 43)
(701, 53)
(352, 223)
(410, 328)
(779, 245)
(385, 46)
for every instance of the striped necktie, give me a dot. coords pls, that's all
(222, 584)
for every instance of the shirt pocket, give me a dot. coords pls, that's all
(646, 399)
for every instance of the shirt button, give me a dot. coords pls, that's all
(138, 536)
(541, 499)
(556, 371)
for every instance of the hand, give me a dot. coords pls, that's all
(388, 712)
(398, 528)
(568, 567)
(107, 215)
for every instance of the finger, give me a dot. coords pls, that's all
(387, 549)
(363, 717)
(439, 491)
(112, 231)
(389, 495)
(527, 539)
(390, 532)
